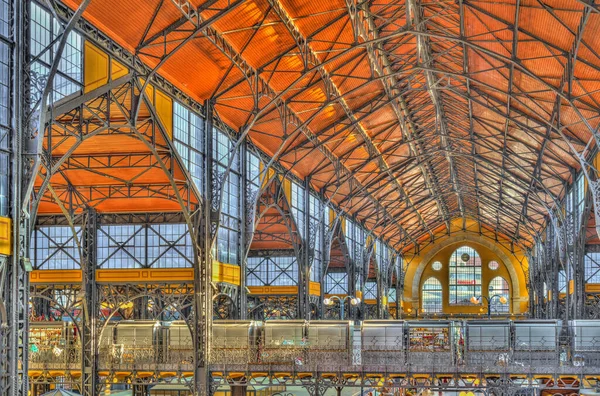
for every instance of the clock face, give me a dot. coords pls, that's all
(465, 257)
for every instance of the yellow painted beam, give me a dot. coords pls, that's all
(592, 288)
(273, 290)
(133, 275)
(145, 275)
(55, 276)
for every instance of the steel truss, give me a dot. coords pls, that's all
(430, 51)
(433, 94)
(97, 111)
(319, 69)
(556, 273)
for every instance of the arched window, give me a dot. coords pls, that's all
(465, 276)
(499, 286)
(431, 296)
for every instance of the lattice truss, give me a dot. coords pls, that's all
(398, 113)
(407, 114)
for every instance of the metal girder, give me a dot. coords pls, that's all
(310, 58)
(424, 52)
(91, 308)
(263, 87)
(76, 100)
(97, 113)
(365, 28)
(71, 198)
(14, 278)
(37, 118)
(442, 43)
(190, 14)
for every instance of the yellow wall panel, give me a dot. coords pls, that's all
(6, 236)
(268, 176)
(117, 70)
(287, 189)
(163, 104)
(95, 67)
(149, 90)
(369, 241)
(164, 108)
(314, 289)
(571, 286)
(227, 273)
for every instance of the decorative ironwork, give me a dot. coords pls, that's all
(275, 307)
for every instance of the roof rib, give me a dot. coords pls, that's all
(309, 56)
(366, 30)
(221, 43)
(424, 52)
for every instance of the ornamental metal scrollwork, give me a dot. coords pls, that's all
(267, 307)
(592, 306)
(223, 307)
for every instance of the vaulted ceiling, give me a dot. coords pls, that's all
(408, 114)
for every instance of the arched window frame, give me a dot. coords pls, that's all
(464, 281)
(501, 287)
(432, 303)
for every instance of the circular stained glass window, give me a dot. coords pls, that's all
(493, 265)
(465, 257)
(437, 266)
